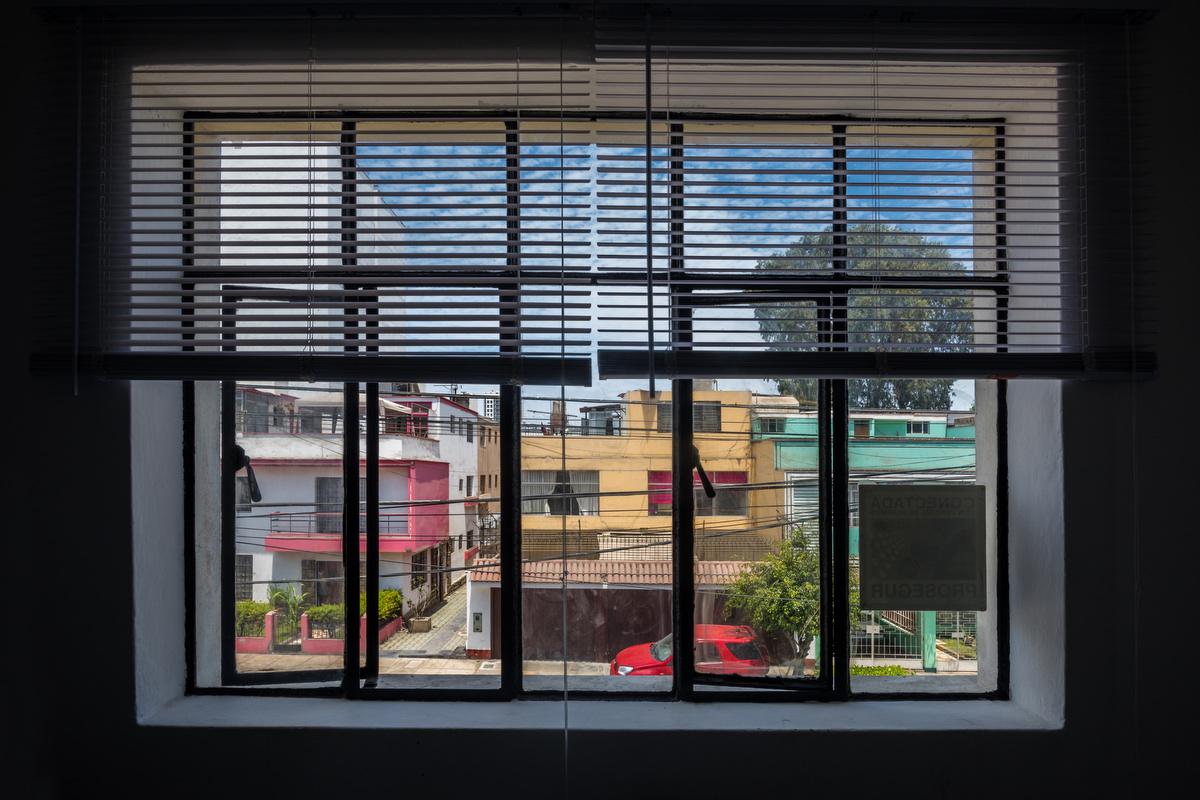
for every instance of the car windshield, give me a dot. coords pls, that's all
(661, 650)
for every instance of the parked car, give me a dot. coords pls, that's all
(720, 649)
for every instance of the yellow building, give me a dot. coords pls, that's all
(616, 491)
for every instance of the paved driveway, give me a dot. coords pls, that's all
(446, 638)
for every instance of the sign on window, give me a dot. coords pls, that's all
(921, 548)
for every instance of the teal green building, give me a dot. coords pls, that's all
(883, 447)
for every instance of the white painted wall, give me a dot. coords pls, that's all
(479, 601)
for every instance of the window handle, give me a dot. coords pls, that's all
(243, 460)
(708, 487)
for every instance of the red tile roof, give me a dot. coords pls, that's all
(581, 570)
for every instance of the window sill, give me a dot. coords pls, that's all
(602, 715)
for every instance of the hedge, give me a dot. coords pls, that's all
(251, 617)
(888, 669)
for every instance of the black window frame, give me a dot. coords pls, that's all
(833, 412)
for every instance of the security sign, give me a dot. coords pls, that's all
(921, 548)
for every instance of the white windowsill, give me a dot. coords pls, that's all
(602, 715)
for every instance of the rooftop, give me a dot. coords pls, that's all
(583, 570)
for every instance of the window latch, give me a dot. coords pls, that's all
(708, 487)
(240, 459)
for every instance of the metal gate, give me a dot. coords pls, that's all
(287, 632)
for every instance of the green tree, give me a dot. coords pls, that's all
(941, 320)
(781, 594)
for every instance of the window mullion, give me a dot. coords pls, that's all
(839, 478)
(510, 540)
(683, 542)
(350, 535)
(371, 666)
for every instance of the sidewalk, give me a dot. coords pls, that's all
(446, 638)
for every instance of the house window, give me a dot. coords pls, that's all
(833, 255)
(707, 417)
(321, 582)
(328, 506)
(771, 425)
(244, 503)
(569, 493)
(420, 570)
(243, 578)
(730, 499)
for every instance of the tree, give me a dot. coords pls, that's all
(781, 594)
(941, 320)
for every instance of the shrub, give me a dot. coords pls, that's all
(889, 669)
(251, 618)
(391, 604)
(330, 613)
(327, 621)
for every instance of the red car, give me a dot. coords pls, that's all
(720, 649)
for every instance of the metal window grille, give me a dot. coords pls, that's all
(243, 577)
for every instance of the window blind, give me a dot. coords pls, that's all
(835, 200)
(683, 192)
(297, 198)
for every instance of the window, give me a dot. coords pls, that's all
(243, 580)
(244, 503)
(707, 419)
(557, 493)
(821, 263)
(771, 425)
(420, 570)
(730, 499)
(321, 582)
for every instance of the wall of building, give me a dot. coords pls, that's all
(623, 462)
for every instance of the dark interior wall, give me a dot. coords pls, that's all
(70, 694)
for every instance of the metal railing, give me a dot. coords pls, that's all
(956, 634)
(873, 638)
(901, 619)
(320, 522)
(322, 424)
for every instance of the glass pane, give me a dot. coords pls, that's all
(757, 204)
(439, 536)
(596, 540)
(288, 578)
(433, 204)
(927, 433)
(758, 570)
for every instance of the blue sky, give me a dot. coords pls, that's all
(720, 209)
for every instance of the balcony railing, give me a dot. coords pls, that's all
(325, 424)
(318, 522)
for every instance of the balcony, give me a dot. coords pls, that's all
(321, 532)
(326, 424)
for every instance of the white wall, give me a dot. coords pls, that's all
(479, 601)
